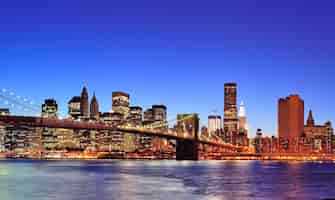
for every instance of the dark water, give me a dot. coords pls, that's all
(82, 180)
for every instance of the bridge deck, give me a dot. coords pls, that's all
(70, 124)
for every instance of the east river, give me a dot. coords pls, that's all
(151, 180)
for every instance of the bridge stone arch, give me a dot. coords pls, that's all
(188, 127)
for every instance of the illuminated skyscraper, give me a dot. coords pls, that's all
(74, 108)
(49, 108)
(159, 114)
(242, 119)
(230, 111)
(290, 120)
(120, 102)
(214, 124)
(84, 112)
(135, 116)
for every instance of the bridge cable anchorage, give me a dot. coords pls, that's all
(22, 103)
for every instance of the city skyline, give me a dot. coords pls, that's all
(173, 56)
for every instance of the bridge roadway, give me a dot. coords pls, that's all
(89, 125)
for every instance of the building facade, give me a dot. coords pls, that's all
(317, 138)
(135, 116)
(74, 112)
(50, 109)
(290, 122)
(94, 108)
(159, 114)
(120, 104)
(214, 124)
(84, 109)
(230, 112)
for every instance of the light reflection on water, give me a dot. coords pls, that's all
(205, 180)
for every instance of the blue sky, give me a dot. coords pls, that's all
(179, 53)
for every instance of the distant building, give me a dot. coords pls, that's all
(4, 111)
(242, 118)
(159, 114)
(84, 109)
(230, 111)
(74, 108)
(49, 135)
(204, 132)
(258, 141)
(2, 137)
(135, 116)
(241, 138)
(94, 108)
(50, 109)
(20, 139)
(148, 117)
(120, 104)
(214, 124)
(290, 121)
(317, 137)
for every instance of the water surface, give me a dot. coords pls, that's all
(171, 180)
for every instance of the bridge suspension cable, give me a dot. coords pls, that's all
(13, 100)
(23, 104)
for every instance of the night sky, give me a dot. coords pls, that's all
(178, 53)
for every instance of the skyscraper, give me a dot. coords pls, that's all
(120, 102)
(290, 120)
(94, 108)
(49, 108)
(84, 104)
(242, 119)
(230, 111)
(135, 116)
(242, 137)
(214, 124)
(159, 114)
(74, 108)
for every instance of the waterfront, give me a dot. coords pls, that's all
(26, 179)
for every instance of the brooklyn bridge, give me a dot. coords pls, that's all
(189, 146)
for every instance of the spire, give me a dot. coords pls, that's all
(94, 107)
(242, 112)
(84, 103)
(310, 120)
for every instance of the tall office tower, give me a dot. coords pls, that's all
(290, 120)
(49, 108)
(74, 108)
(148, 117)
(242, 137)
(94, 108)
(145, 141)
(230, 111)
(120, 102)
(159, 114)
(214, 124)
(84, 112)
(242, 119)
(135, 116)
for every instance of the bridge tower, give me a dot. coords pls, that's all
(188, 127)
